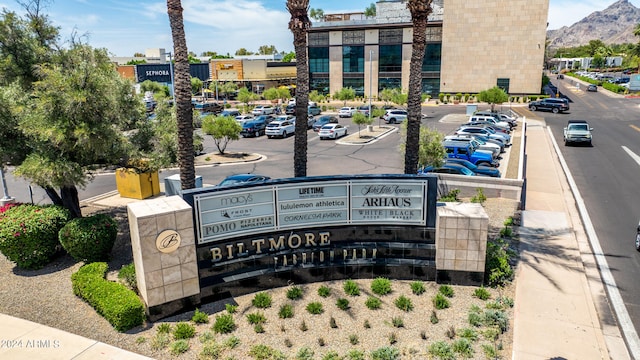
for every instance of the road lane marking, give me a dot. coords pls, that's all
(633, 155)
(635, 128)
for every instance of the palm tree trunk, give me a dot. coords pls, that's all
(420, 10)
(182, 93)
(299, 24)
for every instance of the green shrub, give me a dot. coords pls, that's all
(256, 318)
(434, 317)
(441, 350)
(393, 338)
(385, 353)
(367, 325)
(303, 326)
(164, 328)
(353, 339)
(224, 324)
(342, 304)
(261, 300)
(451, 196)
(404, 303)
(451, 332)
(324, 291)
(206, 336)
(354, 354)
(121, 307)
(294, 293)
(507, 302)
(29, 234)
(397, 322)
(479, 197)
(264, 352)
(315, 308)
(232, 342)
(210, 350)
(200, 317)
(183, 330)
(373, 303)
(469, 334)
(498, 271)
(89, 239)
(497, 318)
(482, 293)
(127, 275)
(231, 309)
(304, 353)
(332, 323)
(475, 318)
(160, 341)
(381, 286)
(446, 290)
(258, 328)
(417, 287)
(179, 347)
(331, 355)
(440, 301)
(351, 288)
(321, 341)
(490, 351)
(286, 311)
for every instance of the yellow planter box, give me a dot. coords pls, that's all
(137, 185)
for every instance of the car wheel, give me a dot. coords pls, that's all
(638, 242)
(284, 134)
(392, 121)
(484, 163)
(555, 110)
(566, 143)
(533, 108)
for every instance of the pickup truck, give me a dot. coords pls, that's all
(465, 150)
(577, 131)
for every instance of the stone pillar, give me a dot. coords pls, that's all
(164, 253)
(461, 242)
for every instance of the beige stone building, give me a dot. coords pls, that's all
(471, 46)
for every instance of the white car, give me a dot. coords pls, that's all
(347, 111)
(263, 110)
(280, 129)
(393, 116)
(332, 131)
(242, 118)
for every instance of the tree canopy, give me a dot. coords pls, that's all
(493, 96)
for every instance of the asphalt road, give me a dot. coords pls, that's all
(608, 177)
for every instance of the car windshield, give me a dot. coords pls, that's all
(580, 127)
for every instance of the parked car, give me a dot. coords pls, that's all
(447, 168)
(332, 131)
(493, 119)
(493, 148)
(481, 170)
(324, 120)
(314, 110)
(554, 105)
(592, 87)
(395, 116)
(505, 138)
(290, 109)
(267, 118)
(489, 124)
(208, 107)
(347, 111)
(465, 150)
(254, 127)
(638, 237)
(364, 109)
(263, 110)
(310, 121)
(499, 116)
(230, 112)
(577, 131)
(280, 128)
(243, 179)
(242, 118)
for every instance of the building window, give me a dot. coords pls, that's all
(390, 36)
(390, 58)
(356, 84)
(503, 84)
(389, 83)
(431, 87)
(319, 39)
(353, 59)
(434, 34)
(353, 37)
(319, 83)
(432, 57)
(318, 59)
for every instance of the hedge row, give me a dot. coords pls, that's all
(120, 306)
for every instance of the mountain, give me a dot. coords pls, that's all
(613, 25)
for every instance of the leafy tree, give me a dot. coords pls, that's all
(227, 88)
(316, 14)
(386, 95)
(223, 129)
(193, 59)
(245, 96)
(370, 11)
(196, 85)
(316, 96)
(136, 62)
(400, 98)
(493, 96)
(243, 52)
(360, 119)
(299, 24)
(290, 56)
(12, 98)
(271, 94)
(431, 151)
(594, 45)
(267, 50)
(154, 87)
(138, 54)
(182, 88)
(345, 94)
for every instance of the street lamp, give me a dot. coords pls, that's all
(171, 73)
(370, 82)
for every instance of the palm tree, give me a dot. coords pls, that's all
(299, 24)
(420, 10)
(182, 94)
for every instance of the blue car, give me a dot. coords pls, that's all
(243, 179)
(480, 170)
(454, 169)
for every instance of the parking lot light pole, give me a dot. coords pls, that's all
(370, 82)
(171, 74)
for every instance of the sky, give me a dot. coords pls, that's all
(126, 27)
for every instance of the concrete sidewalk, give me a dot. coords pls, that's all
(561, 310)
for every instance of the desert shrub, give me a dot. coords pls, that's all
(264, 352)
(446, 290)
(324, 291)
(160, 341)
(385, 353)
(29, 234)
(475, 316)
(373, 303)
(261, 300)
(288, 343)
(200, 317)
(90, 238)
(441, 350)
(256, 318)
(315, 308)
(286, 311)
(304, 353)
(206, 336)
(434, 317)
(183, 330)
(417, 287)
(381, 286)
(321, 341)
(469, 334)
(491, 334)
(440, 301)
(498, 271)
(463, 347)
(490, 351)
(451, 196)
(351, 288)
(331, 355)
(258, 328)
(342, 304)
(332, 323)
(224, 324)
(127, 275)
(120, 306)
(303, 326)
(404, 303)
(482, 293)
(367, 325)
(164, 328)
(451, 332)
(210, 350)
(353, 339)
(506, 301)
(179, 347)
(231, 309)
(232, 342)
(497, 318)
(393, 338)
(397, 322)
(294, 293)
(479, 197)
(354, 354)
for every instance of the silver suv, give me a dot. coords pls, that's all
(393, 116)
